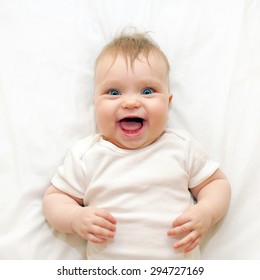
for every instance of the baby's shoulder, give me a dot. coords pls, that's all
(180, 134)
(82, 146)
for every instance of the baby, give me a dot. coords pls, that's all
(129, 190)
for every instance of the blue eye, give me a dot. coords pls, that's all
(113, 92)
(147, 91)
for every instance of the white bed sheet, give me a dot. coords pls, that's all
(47, 52)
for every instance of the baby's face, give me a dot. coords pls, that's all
(131, 102)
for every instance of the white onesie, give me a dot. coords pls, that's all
(144, 189)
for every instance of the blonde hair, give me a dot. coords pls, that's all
(131, 46)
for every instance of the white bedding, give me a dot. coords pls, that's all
(47, 51)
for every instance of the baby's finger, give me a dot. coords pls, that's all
(95, 234)
(105, 224)
(104, 230)
(180, 230)
(186, 240)
(95, 239)
(191, 246)
(182, 219)
(104, 214)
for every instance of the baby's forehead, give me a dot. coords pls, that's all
(109, 58)
(113, 67)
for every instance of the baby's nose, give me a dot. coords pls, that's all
(131, 102)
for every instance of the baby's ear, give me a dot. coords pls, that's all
(170, 99)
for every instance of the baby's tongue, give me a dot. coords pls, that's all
(131, 124)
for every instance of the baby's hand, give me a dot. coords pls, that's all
(192, 225)
(94, 224)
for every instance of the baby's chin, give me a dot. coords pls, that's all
(131, 144)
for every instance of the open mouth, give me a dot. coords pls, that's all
(131, 125)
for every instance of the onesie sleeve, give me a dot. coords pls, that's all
(69, 177)
(199, 165)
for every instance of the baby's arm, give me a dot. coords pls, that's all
(66, 214)
(213, 197)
